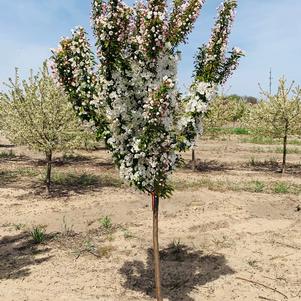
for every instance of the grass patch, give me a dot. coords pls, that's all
(289, 150)
(294, 141)
(71, 158)
(106, 223)
(38, 234)
(277, 150)
(28, 172)
(259, 140)
(84, 180)
(268, 140)
(105, 251)
(70, 179)
(254, 186)
(257, 186)
(281, 187)
(7, 155)
(7, 176)
(270, 163)
(238, 131)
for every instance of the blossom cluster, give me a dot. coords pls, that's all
(74, 68)
(182, 19)
(133, 96)
(211, 63)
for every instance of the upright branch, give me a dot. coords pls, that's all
(212, 68)
(181, 20)
(212, 63)
(74, 69)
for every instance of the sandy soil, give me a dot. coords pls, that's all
(216, 243)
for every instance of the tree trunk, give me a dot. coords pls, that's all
(284, 153)
(155, 207)
(193, 160)
(48, 171)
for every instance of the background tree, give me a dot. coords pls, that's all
(218, 115)
(223, 114)
(237, 109)
(147, 121)
(37, 113)
(278, 116)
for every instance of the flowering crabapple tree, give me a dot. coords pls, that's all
(130, 95)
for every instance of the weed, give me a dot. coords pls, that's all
(176, 245)
(106, 223)
(127, 234)
(7, 155)
(89, 246)
(67, 230)
(257, 186)
(19, 226)
(281, 187)
(252, 263)
(223, 242)
(110, 237)
(105, 251)
(38, 234)
(252, 162)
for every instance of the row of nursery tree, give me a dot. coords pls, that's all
(273, 115)
(37, 113)
(128, 95)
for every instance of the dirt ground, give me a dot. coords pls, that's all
(220, 237)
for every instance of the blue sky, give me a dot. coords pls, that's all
(268, 30)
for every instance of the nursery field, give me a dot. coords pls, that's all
(230, 231)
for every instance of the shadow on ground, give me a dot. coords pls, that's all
(18, 253)
(273, 166)
(7, 145)
(212, 165)
(182, 270)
